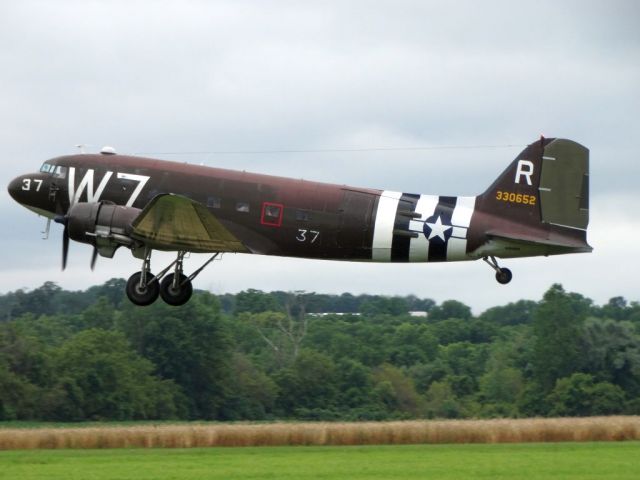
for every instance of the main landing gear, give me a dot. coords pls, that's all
(143, 288)
(503, 275)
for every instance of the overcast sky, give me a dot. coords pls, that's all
(212, 76)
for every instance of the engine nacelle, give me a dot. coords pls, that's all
(104, 225)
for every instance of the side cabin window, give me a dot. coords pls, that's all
(302, 215)
(213, 202)
(242, 207)
(272, 214)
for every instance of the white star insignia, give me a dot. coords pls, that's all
(438, 229)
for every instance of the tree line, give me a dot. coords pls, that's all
(90, 355)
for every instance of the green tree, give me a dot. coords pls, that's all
(464, 362)
(415, 304)
(24, 368)
(450, 309)
(60, 360)
(190, 345)
(384, 306)
(282, 332)
(17, 396)
(612, 353)
(411, 344)
(346, 303)
(100, 377)
(534, 401)
(501, 386)
(39, 301)
(50, 330)
(24, 354)
(355, 387)
(511, 314)
(616, 309)
(580, 395)
(251, 395)
(454, 330)
(99, 315)
(557, 326)
(255, 301)
(634, 315)
(309, 384)
(25, 371)
(424, 374)
(398, 391)
(441, 402)
(113, 290)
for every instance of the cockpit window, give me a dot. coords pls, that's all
(59, 171)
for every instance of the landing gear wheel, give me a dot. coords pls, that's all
(142, 295)
(176, 296)
(504, 276)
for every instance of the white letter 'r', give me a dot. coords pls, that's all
(521, 171)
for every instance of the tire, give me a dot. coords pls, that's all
(145, 296)
(504, 276)
(172, 296)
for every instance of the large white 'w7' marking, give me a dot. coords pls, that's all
(93, 194)
(141, 179)
(86, 184)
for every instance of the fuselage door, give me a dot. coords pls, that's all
(355, 230)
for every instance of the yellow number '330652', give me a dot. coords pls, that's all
(512, 197)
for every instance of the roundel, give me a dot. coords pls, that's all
(437, 231)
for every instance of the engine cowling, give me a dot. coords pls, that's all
(104, 225)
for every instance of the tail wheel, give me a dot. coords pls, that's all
(504, 276)
(142, 294)
(176, 295)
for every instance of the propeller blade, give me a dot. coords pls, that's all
(94, 257)
(65, 247)
(64, 220)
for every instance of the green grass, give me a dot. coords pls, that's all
(608, 460)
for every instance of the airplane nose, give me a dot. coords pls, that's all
(15, 188)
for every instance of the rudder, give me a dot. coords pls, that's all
(564, 184)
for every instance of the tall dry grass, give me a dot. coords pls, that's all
(365, 433)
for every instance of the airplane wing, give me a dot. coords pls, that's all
(174, 222)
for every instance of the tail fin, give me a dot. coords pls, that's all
(545, 189)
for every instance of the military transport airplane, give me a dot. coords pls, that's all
(538, 206)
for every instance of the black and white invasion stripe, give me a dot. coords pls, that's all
(402, 227)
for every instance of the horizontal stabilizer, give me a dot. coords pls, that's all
(554, 241)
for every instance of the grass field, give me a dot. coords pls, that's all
(498, 461)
